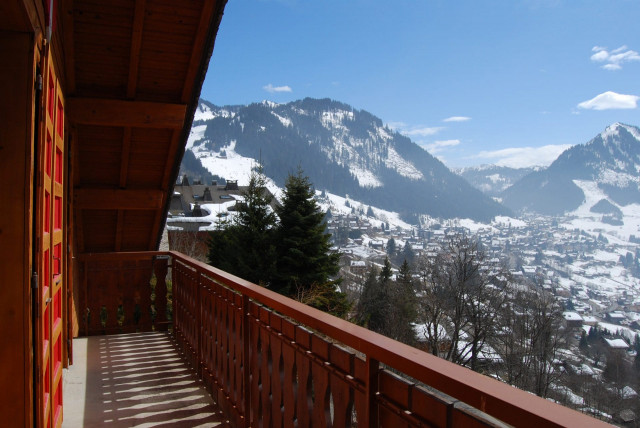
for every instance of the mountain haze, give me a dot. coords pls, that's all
(611, 161)
(343, 150)
(492, 179)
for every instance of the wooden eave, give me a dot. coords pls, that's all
(132, 75)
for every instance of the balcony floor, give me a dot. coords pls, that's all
(129, 380)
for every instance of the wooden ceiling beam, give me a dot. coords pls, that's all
(198, 48)
(118, 199)
(124, 171)
(136, 43)
(139, 114)
(157, 221)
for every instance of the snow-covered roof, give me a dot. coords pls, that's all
(617, 315)
(628, 392)
(616, 343)
(586, 370)
(571, 316)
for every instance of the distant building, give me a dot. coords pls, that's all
(572, 319)
(615, 345)
(358, 267)
(616, 317)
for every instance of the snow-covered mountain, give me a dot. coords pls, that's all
(610, 162)
(493, 179)
(343, 150)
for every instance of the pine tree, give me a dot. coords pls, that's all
(386, 272)
(407, 253)
(404, 306)
(584, 344)
(305, 259)
(373, 307)
(391, 247)
(246, 247)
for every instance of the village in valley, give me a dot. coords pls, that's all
(592, 272)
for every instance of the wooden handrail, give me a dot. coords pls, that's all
(487, 395)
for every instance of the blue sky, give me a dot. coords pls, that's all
(511, 82)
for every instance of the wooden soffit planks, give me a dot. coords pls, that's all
(118, 199)
(141, 114)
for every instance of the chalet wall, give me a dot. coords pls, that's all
(16, 168)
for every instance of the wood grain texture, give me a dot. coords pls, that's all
(97, 111)
(118, 199)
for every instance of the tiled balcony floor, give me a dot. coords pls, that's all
(129, 380)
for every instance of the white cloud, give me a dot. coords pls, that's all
(397, 126)
(414, 131)
(456, 119)
(614, 59)
(612, 67)
(523, 157)
(438, 146)
(600, 56)
(610, 100)
(271, 89)
(423, 131)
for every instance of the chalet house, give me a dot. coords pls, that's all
(98, 101)
(615, 345)
(615, 317)
(358, 267)
(377, 244)
(572, 319)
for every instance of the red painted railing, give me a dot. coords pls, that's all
(271, 361)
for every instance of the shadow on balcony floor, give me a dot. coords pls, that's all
(136, 380)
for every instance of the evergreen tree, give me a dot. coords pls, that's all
(305, 260)
(373, 307)
(246, 247)
(584, 344)
(404, 307)
(407, 253)
(391, 247)
(386, 272)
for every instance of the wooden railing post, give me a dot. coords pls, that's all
(199, 361)
(371, 416)
(246, 361)
(160, 268)
(174, 313)
(84, 307)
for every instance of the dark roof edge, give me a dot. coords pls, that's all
(216, 18)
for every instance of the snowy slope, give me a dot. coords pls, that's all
(611, 160)
(343, 150)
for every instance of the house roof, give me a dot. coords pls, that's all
(616, 343)
(132, 74)
(571, 316)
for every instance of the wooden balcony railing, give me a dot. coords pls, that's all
(270, 361)
(122, 292)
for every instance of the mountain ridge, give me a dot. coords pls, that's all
(493, 179)
(343, 150)
(611, 160)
